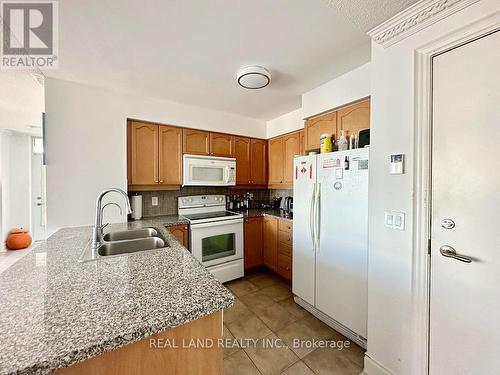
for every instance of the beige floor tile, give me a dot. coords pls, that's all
(230, 344)
(298, 368)
(277, 292)
(328, 361)
(241, 287)
(268, 359)
(256, 300)
(263, 280)
(239, 364)
(237, 311)
(274, 316)
(251, 327)
(299, 334)
(294, 309)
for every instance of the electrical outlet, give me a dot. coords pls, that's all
(154, 201)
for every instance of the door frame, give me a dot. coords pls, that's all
(421, 266)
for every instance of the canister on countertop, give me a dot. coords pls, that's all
(326, 143)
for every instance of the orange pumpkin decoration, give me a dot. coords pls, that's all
(18, 238)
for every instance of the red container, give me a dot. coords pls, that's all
(18, 238)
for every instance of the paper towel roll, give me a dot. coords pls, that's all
(136, 207)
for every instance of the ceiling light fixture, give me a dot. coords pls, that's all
(254, 77)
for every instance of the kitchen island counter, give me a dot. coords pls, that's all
(56, 311)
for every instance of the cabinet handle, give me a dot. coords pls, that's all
(156, 181)
(161, 181)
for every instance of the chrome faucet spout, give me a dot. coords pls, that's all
(97, 230)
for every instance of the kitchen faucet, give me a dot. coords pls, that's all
(97, 231)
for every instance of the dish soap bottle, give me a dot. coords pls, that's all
(342, 144)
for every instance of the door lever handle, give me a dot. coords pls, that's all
(450, 252)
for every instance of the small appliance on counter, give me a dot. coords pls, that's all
(287, 205)
(277, 202)
(364, 138)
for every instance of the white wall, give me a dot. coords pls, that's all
(15, 171)
(286, 123)
(86, 143)
(347, 88)
(392, 131)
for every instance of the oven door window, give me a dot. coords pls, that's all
(207, 174)
(216, 247)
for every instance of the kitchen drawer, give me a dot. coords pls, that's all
(285, 237)
(285, 226)
(285, 249)
(285, 266)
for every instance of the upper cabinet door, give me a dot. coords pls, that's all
(143, 153)
(196, 142)
(354, 118)
(316, 126)
(275, 146)
(302, 142)
(291, 147)
(170, 165)
(258, 165)
(242, 155)
(221, 145)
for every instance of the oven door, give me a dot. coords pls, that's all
(217, 242)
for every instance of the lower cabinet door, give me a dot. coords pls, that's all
(285, 266)
(253, 242)
(271, 242)
(181, 232)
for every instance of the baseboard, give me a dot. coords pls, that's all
(361, 341)
(372, 367)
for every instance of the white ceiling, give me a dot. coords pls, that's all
(189, 51)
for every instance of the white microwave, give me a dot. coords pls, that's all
(208, 171)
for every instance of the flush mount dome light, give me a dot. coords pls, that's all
(254, 77)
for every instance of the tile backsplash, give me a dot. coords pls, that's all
(167, 200)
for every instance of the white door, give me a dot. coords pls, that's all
(465, 297)
(37, 192)
(342, 257)
(303, 267)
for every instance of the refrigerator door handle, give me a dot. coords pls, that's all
(317, 216)
(311, 217)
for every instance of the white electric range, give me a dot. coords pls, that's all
(216, 235)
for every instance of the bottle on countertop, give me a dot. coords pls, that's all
(346, 163)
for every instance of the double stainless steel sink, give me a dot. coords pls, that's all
(126, 242)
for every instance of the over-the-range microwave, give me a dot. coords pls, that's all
(208, 171)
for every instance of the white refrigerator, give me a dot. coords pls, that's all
(330, 239)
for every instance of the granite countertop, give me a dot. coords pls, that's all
(254, 212)
(55, 311)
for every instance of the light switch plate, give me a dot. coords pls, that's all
(154, 201)
(394, 220)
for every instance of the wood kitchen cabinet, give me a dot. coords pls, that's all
(242, 155)
(253, 242)
(275, 146)
(354, 118)
(154, 155)
(284, 263)
(282, 150)
(143, 154)
(258, 162)
(196, 142)
(170, 161)
(314, 127)
(291, 147)
(271, 242)
(302, 142)
(251, 163)
(181, 232)
(221, 145)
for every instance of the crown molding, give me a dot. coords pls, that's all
(415, 18)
